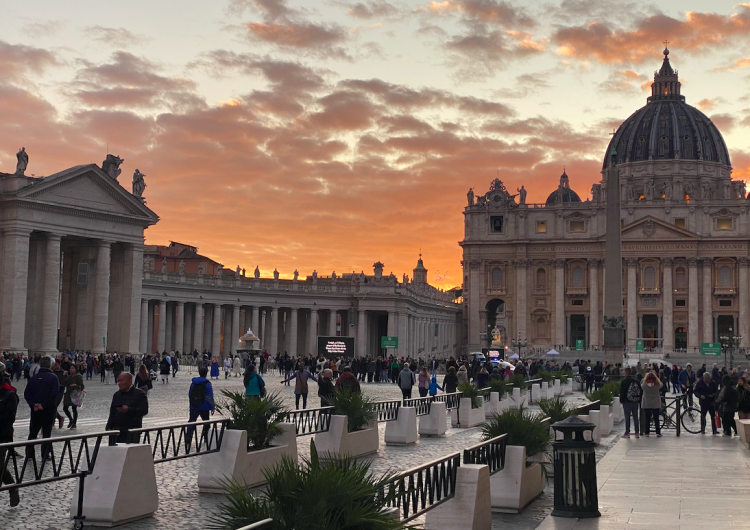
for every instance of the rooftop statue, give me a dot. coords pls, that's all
(111, 166)
(23, 161)
(139, 185)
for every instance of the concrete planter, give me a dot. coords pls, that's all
(617, 413)
(568, 387)
(513, 488)
(338, 441)
(403, 430)
(492, 406)
(436, 422)
(605, 420)
(743, 429)
(517, 399)
(469, 417)
(596, 434)
(557, 389)
(245, 467)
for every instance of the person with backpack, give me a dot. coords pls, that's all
(630, 397)
(300, 384)
(255, 387)
(201, 398)
(165, 366)
(406, 381)
(8, 409)
(326, 390)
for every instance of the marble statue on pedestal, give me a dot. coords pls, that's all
(23, 161)
(237, 272)
(200, 269)
(296, 274)
(139, 185)
(111, 166)
(164, 265)
(521, 195)
(256, 274)
(315, 275)
(182, 267)
(470, 196)
(219, 269)
(333, 276)
(275, 274)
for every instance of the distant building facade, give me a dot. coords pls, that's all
(536, 271)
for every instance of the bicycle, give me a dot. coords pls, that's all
(690, 416)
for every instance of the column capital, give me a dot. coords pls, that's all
(631, 262)
(667, 261)
(744, 262)
(594, 262)
(707, 261)
(179, 302)
(104, 243)
(558, 263)
(53, 236)
(692, 261)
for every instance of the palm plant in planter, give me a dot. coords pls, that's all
(359, 409)
(313, 496)
(557, 409)
(526, 430)
(604, 396)
(497, 385)
(545, 375)
(259, 417)
(518, 381)
(472, 392)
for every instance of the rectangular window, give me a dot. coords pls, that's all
(576, 302)
(680, 223)
(679, 303)
(725, 303)
(496, 224)
(578, 226)
(541, 227)
(724, 223)
(83, 273)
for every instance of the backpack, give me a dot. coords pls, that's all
(198, 394)
(634, 392)
(8, 406)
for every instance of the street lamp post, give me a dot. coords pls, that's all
(729, 343)
(519, 343)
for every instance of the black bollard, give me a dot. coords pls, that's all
(575, 470)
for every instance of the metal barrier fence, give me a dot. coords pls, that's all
(585, 409)
(387, 410)
(490, 453)
(451, 400)
(421, 488)
(311, 421)
(421, 404)
(181, 440)
(53, 465)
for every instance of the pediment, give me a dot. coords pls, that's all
(651, 228)
(87, 188)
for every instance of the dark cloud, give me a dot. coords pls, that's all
(323, 40)
(372, 9)
(18, 60)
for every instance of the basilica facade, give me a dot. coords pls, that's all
(536, 272)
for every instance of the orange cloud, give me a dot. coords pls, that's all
(17, 60)
(695, 33)
(705, 104)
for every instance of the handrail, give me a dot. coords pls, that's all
(422, 405)
(387, 410)
(452, 400)
(585, 409)
(423, 487)
(265, 524)
(179, 437)
(490, 453)
(311, 421)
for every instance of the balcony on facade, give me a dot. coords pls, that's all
(577, 291)
(725, 292)
(649, 291)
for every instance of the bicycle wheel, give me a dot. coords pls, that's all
(664, 418)
(691, 420)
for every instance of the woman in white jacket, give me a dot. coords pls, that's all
(237, 366)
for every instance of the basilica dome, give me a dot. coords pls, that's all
(667, 128)
(563, 193)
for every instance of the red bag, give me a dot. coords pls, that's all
(717, 420)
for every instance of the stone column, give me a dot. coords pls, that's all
(594, 324)
(129, 297)
(475, 287)
(332, 315)
(361, 334)
(559, 265)
(198, 328)
(392, 331)
(216, 332)
(312, 337)
(143, 346)
(179, 327)
(708, 316)
(274, 343)
(14, 284)
(744, 291)
(293, 333)
(51, 295)
(236, 330)
(521, 289)
(693, 341)
(632, 317)
(101, 297)
(255, 318)
(161, 338)
(403, 341)
(667, 303)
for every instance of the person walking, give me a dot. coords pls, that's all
(255, 387)
(630, 397)
(406, 381)
(41, 394)
(165, 366)
(8, 410)
(214, 368)
(227, 367)
(326, 390)
(687, 382)
(348, 381)
(117, 367)
(651, 402)
(434, 387)
(143, 380)
(423, 384)
(450, 381)
(237, 366)
(300, 384)
(706, 392)
(201, 399)
(743, 397)
(462, 375)
(129, 406)
(727, 401)
(73, 383)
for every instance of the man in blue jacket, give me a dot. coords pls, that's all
(41, 395)
(201, 397)
(687, 382)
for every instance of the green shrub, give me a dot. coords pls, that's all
(472, 392)
(359, 409)
(557, 409)
(312, 496)
(564, 376)
(603, 396)
(518, 381)
(497, 385)
(613, 387)
(523, 429)
(259, 417)
(545, 375)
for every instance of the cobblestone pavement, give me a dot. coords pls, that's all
(181, 507)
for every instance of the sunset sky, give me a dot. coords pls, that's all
(332, 134)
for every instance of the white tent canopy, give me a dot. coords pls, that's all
(514, 356)
(553, 352)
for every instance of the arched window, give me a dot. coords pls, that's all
(679, 278)
(577, 278)
(497, 278)
(725, 277)
(649, 277)
(541, 279)
(541, 327)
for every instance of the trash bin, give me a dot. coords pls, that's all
(575, 470)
